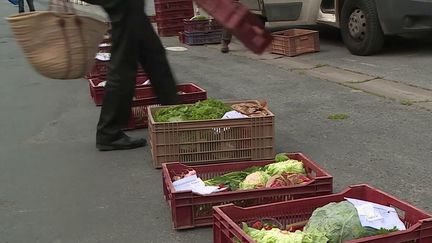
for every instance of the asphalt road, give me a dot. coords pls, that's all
(56, 187)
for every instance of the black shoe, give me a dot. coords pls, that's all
(125, 142)
(224, 49)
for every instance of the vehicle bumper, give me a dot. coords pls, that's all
(405, 16)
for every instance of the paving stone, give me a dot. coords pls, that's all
(394, 90)
(338, 75)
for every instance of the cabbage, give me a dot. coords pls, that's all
(281, 157)
(338, 221)
(255, 180)
(275, 235)
(289, 166)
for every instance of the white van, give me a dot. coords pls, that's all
(363, 23)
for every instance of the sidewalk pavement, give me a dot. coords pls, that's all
(401, 92)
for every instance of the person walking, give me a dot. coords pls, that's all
(21, 8)
(133, 41)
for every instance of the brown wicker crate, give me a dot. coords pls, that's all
(211, 141)
(294, 42)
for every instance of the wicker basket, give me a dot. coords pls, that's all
(59, 45)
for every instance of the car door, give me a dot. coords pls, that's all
(253, 5)
(292, 12)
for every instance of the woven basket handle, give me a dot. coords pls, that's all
(67, 7)
(59, 5)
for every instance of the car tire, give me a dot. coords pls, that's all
(360, 27)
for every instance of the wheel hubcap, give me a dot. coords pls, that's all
(357, 24)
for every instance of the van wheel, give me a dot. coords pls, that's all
(360, 27)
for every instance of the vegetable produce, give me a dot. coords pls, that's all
(275, 235)
(287, 179)
(340, 222)
(285, 173)
(199, 17)
(266, 224)
(368, 231)
(183, 174)
(232, 179)
(289, 166)
(333, 223)
(251, 109)
(202, 110)
(255, 180)
(281, 157)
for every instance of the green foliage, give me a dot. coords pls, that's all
(339, 222)
(232, 180)
(276, 235)
(338, 117)
(288, 166)
(202, 110)
(281, 157)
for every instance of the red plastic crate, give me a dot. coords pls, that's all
(146, 96)
(105, 47)
(152, 18)
(191, 210)
(201, 25)
(227, 219)
(294, 42)
(97, 93)
(185, 5)
(168, 23)
(203, 37)
(181, 37)
(169, 31)
(174, 14)
(240, 22)
(99, 68)
(168, 1)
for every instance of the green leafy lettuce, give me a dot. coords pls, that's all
(232, 180)
(202, 110)
(339, 222)
(289, 166)
(281, 157)
(278, 236)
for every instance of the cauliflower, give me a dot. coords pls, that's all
(255, 180)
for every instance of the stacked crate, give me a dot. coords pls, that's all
(144, 93)
(200, 32)
(170, 15)
(98, 74)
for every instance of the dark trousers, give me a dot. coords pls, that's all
(133, 41)
(21, 6)
(226, 36)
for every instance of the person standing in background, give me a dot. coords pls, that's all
(133, 41)
(227, 35)
(21, 8)
(226, 40)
